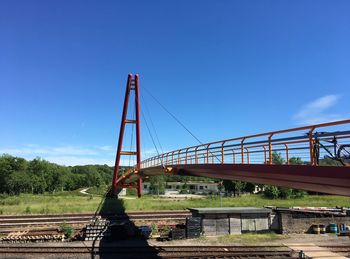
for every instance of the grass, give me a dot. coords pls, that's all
(74, 202)
(241, 239)
(154, 203)
(64, 202)
(247, 238)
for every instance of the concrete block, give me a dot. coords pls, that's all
(235, 224)
(222, 226)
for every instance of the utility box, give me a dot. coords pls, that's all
(221, 221)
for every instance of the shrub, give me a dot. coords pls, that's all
(28, 210)
(10, 201)
(285, 193)
(45, 210)
(299, 193)
(271, 192)
(154, 229)
(131, 192)
(3, 195)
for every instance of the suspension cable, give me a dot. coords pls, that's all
(172, 115)
(152, 124)
(178, 121)
(150, 133)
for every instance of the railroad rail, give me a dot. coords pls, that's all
(48, 224)
(199, 251)
(13, 220)
(238, 252)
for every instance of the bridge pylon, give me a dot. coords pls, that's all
(131, 85)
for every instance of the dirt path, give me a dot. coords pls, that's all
(83, 191)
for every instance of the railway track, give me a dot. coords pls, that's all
(238, 252)
(20, 221)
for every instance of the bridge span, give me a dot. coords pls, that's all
(313, 158)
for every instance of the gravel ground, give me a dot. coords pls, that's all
(278, 240)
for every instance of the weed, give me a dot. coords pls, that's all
(28, 210)
(154, 229)
(66, 229)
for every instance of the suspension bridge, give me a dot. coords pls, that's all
(316, 157)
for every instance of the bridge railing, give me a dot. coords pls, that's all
(292, 145)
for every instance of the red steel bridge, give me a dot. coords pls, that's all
(317, 157)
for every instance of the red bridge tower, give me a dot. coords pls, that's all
(132, 85)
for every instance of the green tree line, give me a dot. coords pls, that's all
(17, 175)
(274, 192)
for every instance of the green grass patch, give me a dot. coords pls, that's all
(49, 203)
(242, 239)
(249, 238)
(75, 202)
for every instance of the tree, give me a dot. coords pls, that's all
(38, 184)
(285, 193)
(249, 187)
(5, 171)
(234, 186)
(19, 182)
(277, 159)
(229, 185)
(157, 184)
(294, 192)
(295, 161)
(271, 192)
(326, 161)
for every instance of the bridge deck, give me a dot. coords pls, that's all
(326, 179)
(265, 158)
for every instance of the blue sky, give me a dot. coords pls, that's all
(224, 68)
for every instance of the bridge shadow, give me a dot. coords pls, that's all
(121, 238)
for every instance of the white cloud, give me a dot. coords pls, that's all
(316, 111)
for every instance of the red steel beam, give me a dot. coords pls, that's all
(138, 135)
(121, 135)
(323, 179)
(132, 85)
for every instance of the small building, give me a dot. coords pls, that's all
(191, 186)
(221, 221)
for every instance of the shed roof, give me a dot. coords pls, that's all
(232, 210)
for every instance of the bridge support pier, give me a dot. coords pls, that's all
(118, 181)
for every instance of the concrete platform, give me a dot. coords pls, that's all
(314, 252)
